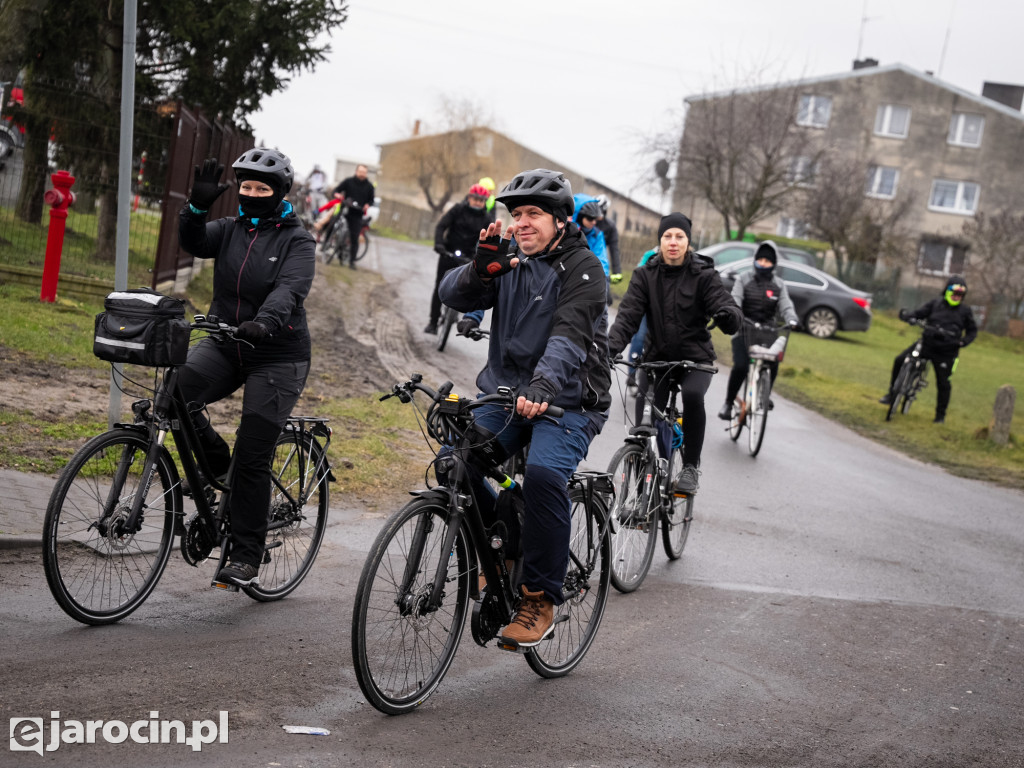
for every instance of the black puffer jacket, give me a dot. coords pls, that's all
(957, 324)
(459, 229)
(262, 272)
(678, 302)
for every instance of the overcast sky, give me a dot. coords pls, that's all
(584, 82)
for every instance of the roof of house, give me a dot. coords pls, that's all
(869, 72)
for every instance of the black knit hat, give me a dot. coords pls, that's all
(674, 221)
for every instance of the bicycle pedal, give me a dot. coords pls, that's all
(224, 585)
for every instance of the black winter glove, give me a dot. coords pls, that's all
(904, 315)
(440, 250)
(251, 331)
(467, 324)
(534, 394)
(726, 321)
(206, 186)
(492, 257)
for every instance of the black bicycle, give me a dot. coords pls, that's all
(644, 482)
(336, 240)
(912, 377)
(422, 571)
(117, 505)
(449, 317)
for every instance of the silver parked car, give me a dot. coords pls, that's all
(737, 250)
(823, 303)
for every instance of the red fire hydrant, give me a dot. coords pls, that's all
(59, 198)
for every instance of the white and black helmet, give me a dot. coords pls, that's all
(548, 190)
(267, 165)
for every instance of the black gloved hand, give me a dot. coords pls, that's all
(534, 394)
(904, 314)
(492, 259)
(726, 320)
(251, 331)
(206, 186)
(440, 250)
(467, 324)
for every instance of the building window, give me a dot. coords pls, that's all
(939, 257)
(802, 170)
(792, 228)
(814, 111)
(892, 120)
(954, 197)
(965, 130)
(882, 180)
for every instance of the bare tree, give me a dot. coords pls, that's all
(997, 257)
(860, 229)
(738, 151)
(447, 161)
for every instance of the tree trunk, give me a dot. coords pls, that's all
(33, 175)
(106, 223)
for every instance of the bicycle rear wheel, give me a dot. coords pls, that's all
(97, 572)
(736, 420)
(299, 500)
(636, 506)
(401, 646)
(337, 244)
(364, 243)
(759, 417)
(448, 318)
(585, 590)
(677, 514)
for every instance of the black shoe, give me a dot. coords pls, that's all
(886, 399)
(431, 328)
(687, 482)
(239, 574)
(939, 420)
(351, 265)
(726, 413)
(771, 404)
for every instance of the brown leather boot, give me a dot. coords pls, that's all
(531, 622)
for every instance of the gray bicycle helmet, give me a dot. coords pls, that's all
(591, 209)
(267, 165)
(548, 190)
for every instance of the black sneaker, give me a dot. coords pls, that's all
(431, 328)
(939, 420)
(687, 482)
(886, 399)
(771, 404)
(726, 413)
(239, 574)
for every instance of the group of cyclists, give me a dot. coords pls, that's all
(547, 291)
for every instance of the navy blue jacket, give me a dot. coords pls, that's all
(548, 326)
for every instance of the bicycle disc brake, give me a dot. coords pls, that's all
(487, 619)
(197, 543)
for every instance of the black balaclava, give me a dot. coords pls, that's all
(765, 250)
(260, 207)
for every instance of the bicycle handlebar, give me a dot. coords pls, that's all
(460, 405)
(660, 365)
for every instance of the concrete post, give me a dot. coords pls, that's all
(1002, 415)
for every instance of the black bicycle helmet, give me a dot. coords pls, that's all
(591, 209)
(548, 190)
(267, 165)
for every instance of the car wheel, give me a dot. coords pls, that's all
(7, 143)
(821, 322)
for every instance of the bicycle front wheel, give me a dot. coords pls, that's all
(299, 500)
(585, 591)
(759, 417)
(364, 243)
(899, 391)
(448, 318)
(736, 420)
(98, 571)
(402, 646)
(636, 508)
(677, 514)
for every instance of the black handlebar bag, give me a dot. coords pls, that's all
(142, 327)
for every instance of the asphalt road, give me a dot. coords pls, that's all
(838, 604)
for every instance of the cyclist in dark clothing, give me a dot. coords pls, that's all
(357, 195)
(611, 240)
(263, 268)
(950, 326)
(458, 231)
(762, 296)
(678, 291)
(548, 341)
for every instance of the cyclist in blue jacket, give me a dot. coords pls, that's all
(548, 341)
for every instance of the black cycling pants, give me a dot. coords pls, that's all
(943, 370)
(213, 372)
(355, 226)
(444, 263)
(740, 366)
(694, 386)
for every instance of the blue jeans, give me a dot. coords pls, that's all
(555, 452)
